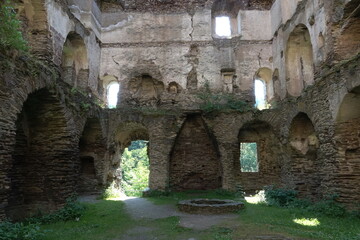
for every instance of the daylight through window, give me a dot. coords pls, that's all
(222, 26)
(112, 94)
(248, 157)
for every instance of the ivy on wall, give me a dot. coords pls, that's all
(10, 35)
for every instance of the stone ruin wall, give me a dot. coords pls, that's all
(178, 49)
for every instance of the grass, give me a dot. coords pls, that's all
(103, 220)
(108, 220)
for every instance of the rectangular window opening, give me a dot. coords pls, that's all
(222, 26)
(248, 157)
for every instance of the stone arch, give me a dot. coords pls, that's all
(299, 61)
(92, 150)
(126, 133)
(75, 64)
(304, 168)
(194, 159)
(268, 150)
(43, 172)
(347, 136)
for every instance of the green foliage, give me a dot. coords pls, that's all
(328, 206)
(111, 192)
(287, 198)
(135, 168)
(248, 157)
(279, 197)
(71, 211)
(19, 231)
(10, 34)
(212, 102)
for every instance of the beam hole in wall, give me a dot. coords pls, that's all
(248, 157)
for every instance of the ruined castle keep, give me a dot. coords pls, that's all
(184, 74)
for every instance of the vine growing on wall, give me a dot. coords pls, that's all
(11, 37)
(220, 101)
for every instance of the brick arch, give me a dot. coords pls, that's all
(11, 104)
(194, 160)
(92, 153)
(75, 62)
(41, 171)
(347, 137)
(303, 146)
(268, 153)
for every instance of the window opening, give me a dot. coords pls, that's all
(260, 94)
(112, 94)
(248, 157)
(222, 26)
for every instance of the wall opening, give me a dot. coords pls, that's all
(299, 61)
(260, 94)
(135, 168)
(248, 157)
(225, 19)
(222, 26)
(194, 161)
(43, 173)
(347, 136)
(131, 157)
(75, 64)
(260, 149)
(112, 94)
(304, 167)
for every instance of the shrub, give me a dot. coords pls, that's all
(111, 192)
(328, 206)
(220, 101)
(279, 197)
(71, 211)
(10, 34)
(19, 231)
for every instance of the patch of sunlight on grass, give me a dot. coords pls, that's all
(258, 198)
(311, 222)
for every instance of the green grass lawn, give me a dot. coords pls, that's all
(107, 219)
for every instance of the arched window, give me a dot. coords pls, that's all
(112, 94)
(260, 94)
